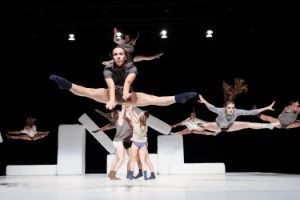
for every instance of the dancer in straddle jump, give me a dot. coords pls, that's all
(119, 77)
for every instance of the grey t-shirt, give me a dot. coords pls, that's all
(286, 118)
(119, 74)
(123, 132)
(223, 120)
(129, 47)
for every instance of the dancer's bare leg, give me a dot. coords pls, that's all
(19, 137)
(118, 161)
(100, 95)
(236, 126)
(150, 166)
(14, 132)
(268, 118)
(211, 126)
(139, 58)
(203, 132)
(40, 135)
(183, 132)
(296, 124)
(143, 99)
(142, 153)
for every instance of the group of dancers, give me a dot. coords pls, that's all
(131, 128)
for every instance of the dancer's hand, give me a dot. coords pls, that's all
(110, 105)
(126, 96)
(201, 99)
(270, 107)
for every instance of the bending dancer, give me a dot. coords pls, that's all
(119, 77)
(28, 133)
(226, 120)
(287, 118)
(122, 132)
(193, 125)
(128, 44)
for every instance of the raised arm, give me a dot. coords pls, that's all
(121, 115)
(106, 115)
(202, 100)
(270, 107)
(131, 115)
(136, 38)
(105, 128)
(127, 85)
(180, 123)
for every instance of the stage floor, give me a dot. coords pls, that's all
(237, 186)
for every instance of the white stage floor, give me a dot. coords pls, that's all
(237, 186)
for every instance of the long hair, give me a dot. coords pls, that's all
(231, 92)
(143, 118)
(30, 121)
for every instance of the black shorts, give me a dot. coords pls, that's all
(127, 144)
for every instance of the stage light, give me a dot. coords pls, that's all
(71, 37)
(163, 34)
(209, 33)
(119, 35)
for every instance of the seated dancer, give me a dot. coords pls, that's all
(193, 125)
(28, 133)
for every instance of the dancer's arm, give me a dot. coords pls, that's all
(180, 123)
(106, 115)
(270, 107)
(105, 128)
(121, 115)
(127, 85)
(202, 100)
(136, 38)
(111, 92)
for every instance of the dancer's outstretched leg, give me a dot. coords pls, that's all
(61, 82)
(183, 97)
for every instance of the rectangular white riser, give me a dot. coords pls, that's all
(31, 169)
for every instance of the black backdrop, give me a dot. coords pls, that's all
(251, 41)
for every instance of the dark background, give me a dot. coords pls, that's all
(254, 41)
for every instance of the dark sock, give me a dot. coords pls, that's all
(130, 175)
(145, 175)
(183, 97)
(128, 172)
(152, 176)
(140, 174)
(61, 82)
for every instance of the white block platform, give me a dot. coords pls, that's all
(169, 151)
(123, 168)
(31, 170)
(100, 136)
(197, 168)
(71, 149)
